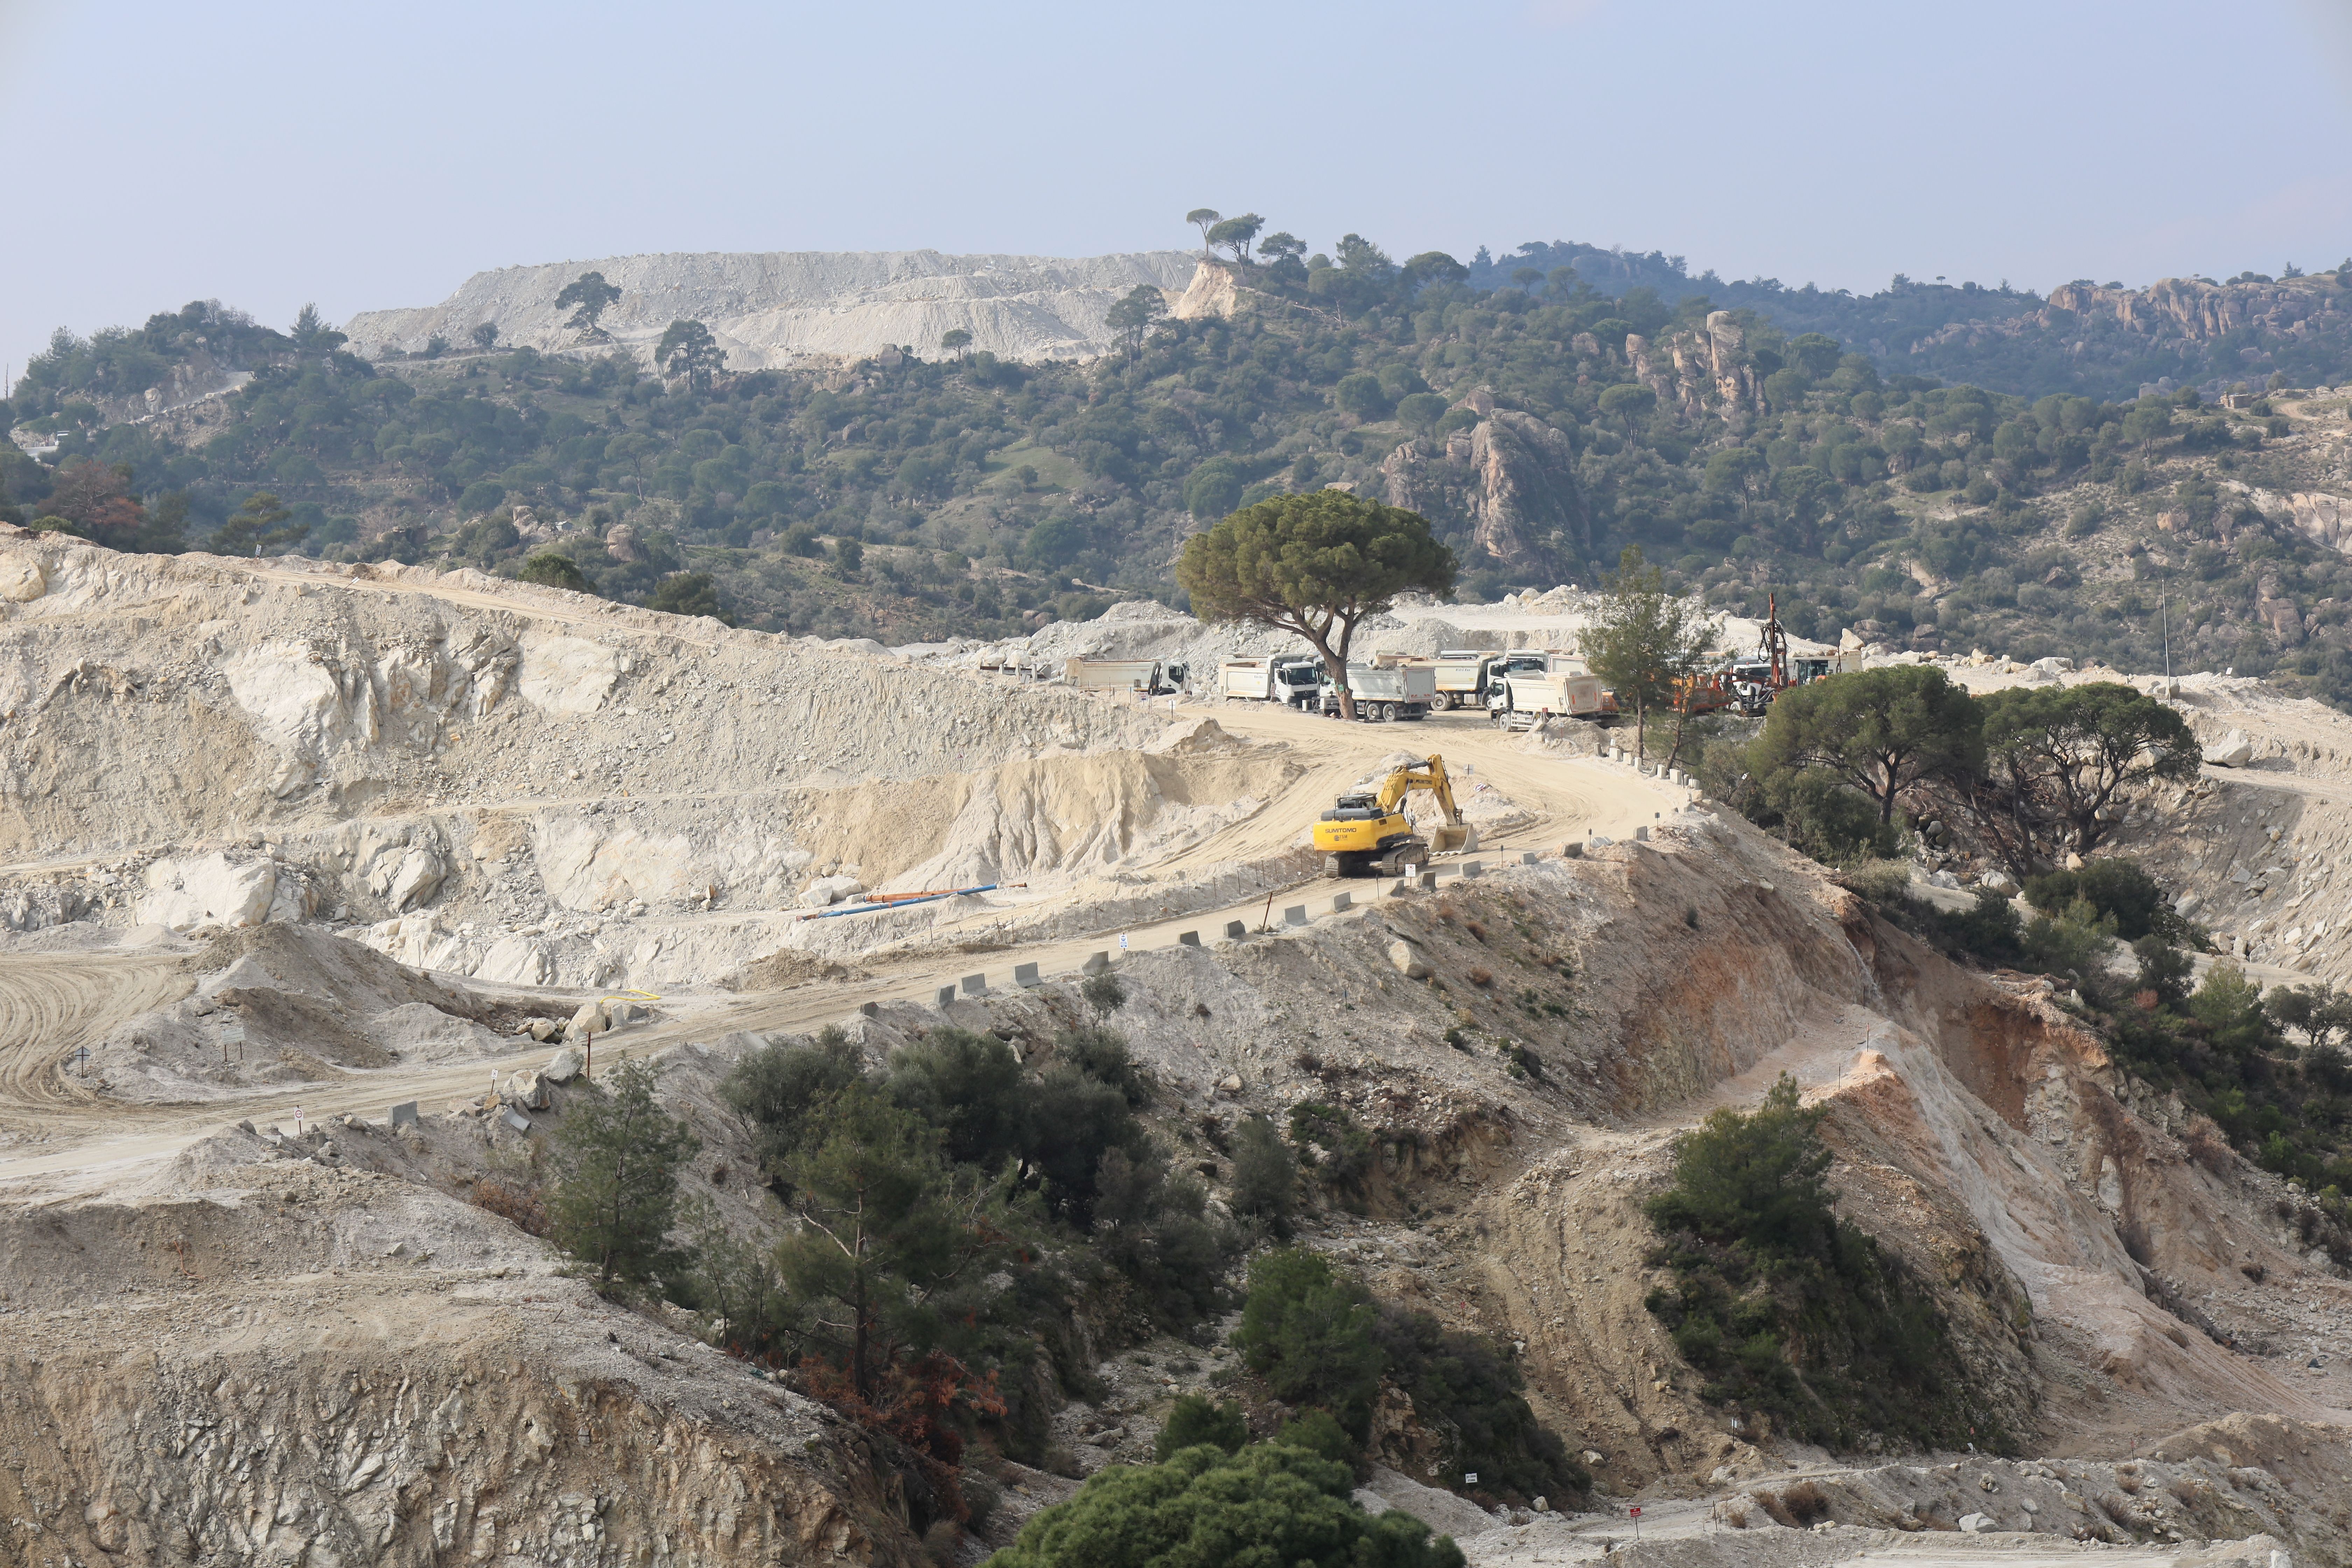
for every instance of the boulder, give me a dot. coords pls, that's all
(21, 579)
(2233, 750)
(1975, 1523)
(1406, 962)
(207, 890)
(564, 1066)
(1997, 881)
(589, 1020)
(524, 1090)
(620, 1014)
(416, 880)
(827, 891)
(541, 1029)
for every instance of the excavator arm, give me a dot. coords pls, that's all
(1433, 779)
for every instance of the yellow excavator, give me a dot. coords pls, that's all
(1365, 835)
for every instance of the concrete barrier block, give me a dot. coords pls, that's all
(1571, 851)
(975, 984)
(1188, 939)
(869, 1009)
(1096, 963)
(1472, 868)
(1529, 857)
(1342, 901)
(1642, 834)
(1295, 915)
(1403, 886)
(1025, 974)
(517, 1119)
(1428, 881)
(405, 1114)
(1236, 930)
(946, 995)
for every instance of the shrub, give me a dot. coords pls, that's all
(1267, 1504)
(1317, 1338)
(1349, 1152)
(1318, 1432)
(1265, 1176)
(1192, 1421)
(550, 569)
(1788, 1310)
(1104, 993)
(2116, 889)
(1306, 1329)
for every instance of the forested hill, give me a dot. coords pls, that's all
(2085, 339)
(1542, 426)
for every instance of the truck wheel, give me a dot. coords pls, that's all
(1443, 700)
(1388, 714)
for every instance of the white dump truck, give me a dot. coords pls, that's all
(1462, 676)
(1384, 691)
(1519, 702)
(1148, 676)
(1294, 680)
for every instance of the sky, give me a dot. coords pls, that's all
(366, 154)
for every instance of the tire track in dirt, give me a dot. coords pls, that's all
(52, 1003)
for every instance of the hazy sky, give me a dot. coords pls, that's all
(367, 154)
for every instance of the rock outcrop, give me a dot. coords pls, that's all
(2194, 309)
(1510, 478)
(782, 308)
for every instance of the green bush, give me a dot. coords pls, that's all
(1306, 1329)
(550, 569)
(1788, 1311)
(1265, 1176)
(1319, 1433)
(1270, 1505)
(1320, 1342)
(2077, 941)
(2116, 889)
(1192, 1420)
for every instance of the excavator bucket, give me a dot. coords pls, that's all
(1445, 838)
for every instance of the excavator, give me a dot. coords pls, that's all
(1365, 835)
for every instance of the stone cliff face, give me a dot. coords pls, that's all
(1511, 477)
(2201, 311)
(783, 308)
(1711, 371)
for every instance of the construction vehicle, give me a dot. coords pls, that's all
(1295, 682)
(1523, 701)
(1148, 676)
(1383, 692)
(1754, 678)
(1365, 833)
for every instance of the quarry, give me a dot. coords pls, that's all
(328, 889)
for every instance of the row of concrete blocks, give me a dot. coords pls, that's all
(1650, 770)
(1025, 976)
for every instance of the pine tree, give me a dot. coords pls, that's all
(620, 1154)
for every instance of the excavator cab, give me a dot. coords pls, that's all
(1367, 834)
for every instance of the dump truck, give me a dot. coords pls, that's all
(1367, 834)
(1383, 692)
(1148, 676)
(1294, 680)
(1463, 677)
(1522, 702)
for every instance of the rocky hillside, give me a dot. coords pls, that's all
(1543, 426)
(789, 308)
(2099, 340)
